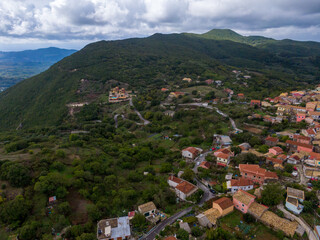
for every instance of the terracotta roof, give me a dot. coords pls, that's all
(224, 203)
(272, 139)
(275, 160)
(300, 137)
(175, 179)
(255, 169)
(205, 164)
(193, 150)
(241, 182)
(186, 187)
(170, 238)
(222, 155)
(243, 197)
(223, 150)
(311, 131)
(282, 157)
(314, 155)
(255, 101)
(277, 149)
(146, 207)
(312, 113)
(295, 143)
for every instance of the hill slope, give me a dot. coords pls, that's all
(15, 66)
(143, 63)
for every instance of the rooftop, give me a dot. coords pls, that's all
(113, 228)
(295, 193)
(149, 206)
(212, 215)
(241, 182)
(243, 197)
(186, 187)
(193, 150)
(295, 143)
(257, 209)
(175, 179)
(224, 202)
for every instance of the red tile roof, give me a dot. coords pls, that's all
(255, 169)
(224, 156)
(175, 179)
(277, 149)
(185, 187)
(224, 202)
(241, 182)
(295, 143)
(170, 238)
(314, 156)
(205, 164)
(275, 160)
(272, 139)
(300, 137)
(193, 150)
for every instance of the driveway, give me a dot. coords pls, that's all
(303, 180)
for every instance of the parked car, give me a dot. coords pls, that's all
(213, 191)
(294, 173)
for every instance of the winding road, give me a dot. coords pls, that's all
(145, 121)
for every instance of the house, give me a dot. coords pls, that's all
(174, 181)
(276, 150)
(256, 174)
(244, 146)
(164, 89)
(169, 113)
(271, 141)
(224, 140)
(114, 228)
(257, 210)
(52, 200)
(228, 90)
(255, 103)
(209, 81)
(302, 139)
(240, 95)
(310, 132)
(205, 165)
(282, 157)
(265, 104)
(294, 197)
(147, 209)
(176, 94)
(183, 189)
(191, 152)
(300, 147)
(189, 80)
(170, 238)
(311, 106)
(223, 159)
(241, 183)
(273, 160)
(242, 200)
(300, 117)
(294, 159)
(118, 95)
(223, 150)
(131, 215)
(224, 205)
(314, 115)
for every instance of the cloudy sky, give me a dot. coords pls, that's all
(29, 24)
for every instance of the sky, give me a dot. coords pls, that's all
(31, 24)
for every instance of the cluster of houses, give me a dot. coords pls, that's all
(118, 95)
(182, 188)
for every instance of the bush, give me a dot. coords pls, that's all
(196, 231)
(248, 218)
(182, 234)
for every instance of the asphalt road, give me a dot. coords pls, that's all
(145, 121)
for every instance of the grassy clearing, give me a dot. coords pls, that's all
(203, 90)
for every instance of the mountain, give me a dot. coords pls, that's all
(149, 63)
(15, 66)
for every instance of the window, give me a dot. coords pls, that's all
(237, 206)
(242, 205)
(254, 176)
(245, 174)
(242, 209)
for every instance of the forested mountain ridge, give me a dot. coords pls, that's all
(16, 66)
(145, 63)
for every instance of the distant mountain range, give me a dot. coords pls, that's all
(16, 66)
(157, 61)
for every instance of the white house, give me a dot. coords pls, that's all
(147, 209)
(294, 198)
(191, 152)
(242, 183)
(182, 188)
(223, 159)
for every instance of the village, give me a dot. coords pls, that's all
(288, 160)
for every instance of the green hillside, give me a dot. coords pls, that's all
(144, 64)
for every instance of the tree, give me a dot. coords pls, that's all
(15, 211)
(210, 95)
(139, 221)
(87, 236)
(182, 234)
(165, 167)
(272, 194)
(188, 175)
(288, 168)
(237, 150)
(263, 148)
(196, 231)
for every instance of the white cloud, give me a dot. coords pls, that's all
(89, 20)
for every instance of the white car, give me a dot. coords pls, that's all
(294, 173)
(198, 163)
